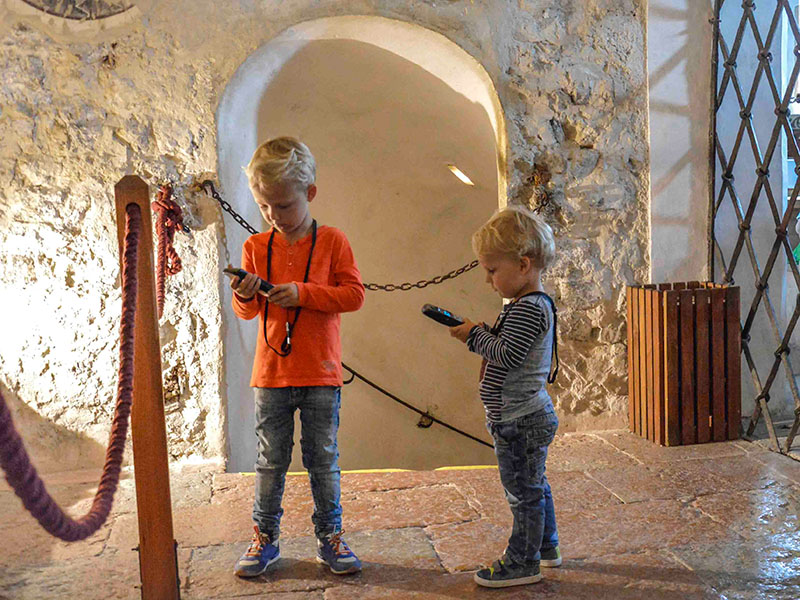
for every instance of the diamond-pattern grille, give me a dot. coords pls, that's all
(744, 205)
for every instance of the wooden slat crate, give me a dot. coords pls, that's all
(684, 362)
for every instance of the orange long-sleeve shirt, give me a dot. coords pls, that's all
(334, 286)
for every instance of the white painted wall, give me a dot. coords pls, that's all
(679, 53)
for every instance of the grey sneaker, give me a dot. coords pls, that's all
(505, 574)
(551, 557)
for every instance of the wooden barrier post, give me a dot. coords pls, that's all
(157, 558)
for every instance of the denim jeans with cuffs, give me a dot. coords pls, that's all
(319, 418)
(521, 449)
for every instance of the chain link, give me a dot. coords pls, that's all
(227, 207)
(422, 283)
(220, 205)
(384, 287)
(224, 235)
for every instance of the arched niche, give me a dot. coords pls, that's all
(385, 106)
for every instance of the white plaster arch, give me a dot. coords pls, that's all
(428, 49)
(238, 113)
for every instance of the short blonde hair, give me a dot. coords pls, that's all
(519, 232)
(279, 160)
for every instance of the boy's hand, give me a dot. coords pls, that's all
(285, 295)
(247, 287)
(461, 332)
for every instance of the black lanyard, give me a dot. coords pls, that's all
(498, 325)
(286, 346)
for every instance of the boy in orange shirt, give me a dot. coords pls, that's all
(298, 353)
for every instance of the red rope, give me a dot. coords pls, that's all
(169, 220)
(21, 474)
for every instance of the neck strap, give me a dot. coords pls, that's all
(498, 325)
(286, 345)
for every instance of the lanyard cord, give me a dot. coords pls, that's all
(286, 346)
(498, 325)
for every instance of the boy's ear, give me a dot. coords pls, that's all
(312, 192)
(525, 263)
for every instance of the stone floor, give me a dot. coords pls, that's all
(782, 429)
(636, 522)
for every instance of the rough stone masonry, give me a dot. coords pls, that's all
(75, 115)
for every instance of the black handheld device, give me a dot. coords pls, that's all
(440, 315)
(232, 272)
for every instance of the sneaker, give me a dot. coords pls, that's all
(551, 557)
(334, 552)
(505, 574)
(262, 553)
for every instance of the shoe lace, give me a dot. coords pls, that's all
(498, 566)
(259, 539)
(339, 546)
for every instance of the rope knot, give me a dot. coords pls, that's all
(170, 219)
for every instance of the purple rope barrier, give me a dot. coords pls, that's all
(14, 460)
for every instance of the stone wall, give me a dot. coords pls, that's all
(76, 115)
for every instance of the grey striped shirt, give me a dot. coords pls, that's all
(518, 358)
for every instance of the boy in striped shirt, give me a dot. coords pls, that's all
(514, 247)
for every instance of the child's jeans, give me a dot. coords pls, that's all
(319, 418)
(521, 449)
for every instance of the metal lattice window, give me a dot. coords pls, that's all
(751, 210)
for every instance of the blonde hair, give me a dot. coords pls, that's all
(279, 160)
(519, 232)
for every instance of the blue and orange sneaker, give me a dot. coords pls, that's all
(261, 553)
(334, 552)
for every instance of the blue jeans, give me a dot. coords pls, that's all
(319, 418)
(521, 449)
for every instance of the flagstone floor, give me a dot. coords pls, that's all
(636, 521)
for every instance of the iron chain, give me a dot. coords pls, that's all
(228, 208)
(385, 287)
(422, 283)
(426, 420)
(224, 236)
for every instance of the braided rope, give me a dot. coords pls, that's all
(14, 460)
(170, 218)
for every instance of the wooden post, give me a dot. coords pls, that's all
(647, 399)
(157, 560)
(658, 363)
(672, 391)
(703, 364)
(633, 342)
(733, 351)
(642, 420)
(687, 370)
(718, 427)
